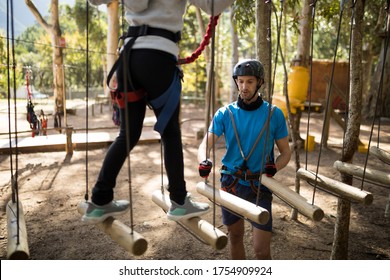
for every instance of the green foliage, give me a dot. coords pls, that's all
(244, 15)
(33, 48)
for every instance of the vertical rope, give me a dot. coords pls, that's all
(86, 100)
(212, 94)
(126, 75)
(270, 89)
(14, 175)
(346, 114)
(329, 94)
(9, 101)
(313, 6)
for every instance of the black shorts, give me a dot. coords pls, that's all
(245, 192)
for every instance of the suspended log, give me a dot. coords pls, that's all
(370, 174)
(17, 246)
(131, 241)
(381, 154)
(238, 205)
(292, 198)
(201, 228)
(344, 190)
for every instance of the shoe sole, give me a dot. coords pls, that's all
(93, 221)
(186, 217)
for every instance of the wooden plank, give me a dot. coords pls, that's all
(370, 174)
(292, 198)
(131, 241)
(380, 154)
(17, 246)
(208, 233)
(238, 205)
(57, 142)
(336, 187)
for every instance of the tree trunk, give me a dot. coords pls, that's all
(263, 49)
(58, 67)
(112, 38)
(58, 61)
(341, 233)
(302, 58)
(368, 58)
(233, 32)
(383, 108)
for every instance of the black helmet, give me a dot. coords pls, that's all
(249, 67)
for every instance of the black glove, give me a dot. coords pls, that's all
(270, 169)
(205, 168)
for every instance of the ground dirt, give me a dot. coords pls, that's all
(52, 184)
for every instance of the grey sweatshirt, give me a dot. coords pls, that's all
(166, 14)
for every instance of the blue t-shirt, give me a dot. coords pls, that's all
(249, 125)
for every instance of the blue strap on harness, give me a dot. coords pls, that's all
(168, 101)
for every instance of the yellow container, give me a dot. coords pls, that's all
(309, 143)
(362, 148)
(298, 83)
(280, 102)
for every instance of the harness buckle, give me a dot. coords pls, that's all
(143, 30)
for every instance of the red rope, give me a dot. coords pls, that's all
(206, 40)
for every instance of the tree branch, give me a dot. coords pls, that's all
(38, 16)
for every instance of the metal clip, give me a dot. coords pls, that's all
(121, 42)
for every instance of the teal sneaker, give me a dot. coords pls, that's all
(188, 210)
(98, 213)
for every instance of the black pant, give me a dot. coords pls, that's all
(153, 71)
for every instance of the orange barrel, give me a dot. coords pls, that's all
(298, 83)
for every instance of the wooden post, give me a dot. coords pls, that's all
(131, 241)
(207, 232)
(69, 144)
(344, 190)
(370, 174)
(234, 203)
(17, 246)
(381, 154)
(292, 198)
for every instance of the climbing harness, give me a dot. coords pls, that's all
(242, 172)
(170, 99)
(118, 95)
